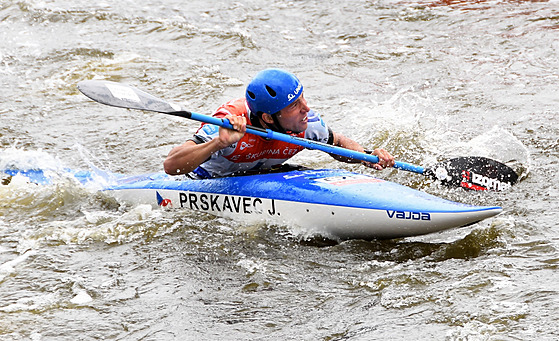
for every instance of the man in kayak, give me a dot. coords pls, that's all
(274, 100)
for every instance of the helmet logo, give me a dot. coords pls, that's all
(295, 93)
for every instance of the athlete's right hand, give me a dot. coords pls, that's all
(228, 136)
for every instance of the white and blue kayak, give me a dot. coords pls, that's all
(329, 202)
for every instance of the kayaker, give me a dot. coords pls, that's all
(274, 100)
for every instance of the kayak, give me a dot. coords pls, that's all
(329, 202)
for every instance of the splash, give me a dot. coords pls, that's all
(68, 204)
(40, 167)
(497, 143)
(8, 268)
(16, 158)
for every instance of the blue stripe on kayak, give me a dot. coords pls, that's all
(298, 186)
(302, 186)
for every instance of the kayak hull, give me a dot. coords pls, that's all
(332, 203)
(327, 220)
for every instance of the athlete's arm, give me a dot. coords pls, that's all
(385, 159)
(187, 157)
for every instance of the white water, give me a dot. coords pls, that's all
(427, 80)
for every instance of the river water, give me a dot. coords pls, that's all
(427, 80)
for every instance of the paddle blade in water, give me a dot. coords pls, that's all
(475, 173)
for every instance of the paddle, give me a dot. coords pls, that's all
(475, 173)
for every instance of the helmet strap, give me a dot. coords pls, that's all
(255, 120)
(276, 126)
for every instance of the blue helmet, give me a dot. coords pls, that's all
(272, 90)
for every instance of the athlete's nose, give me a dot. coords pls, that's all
(304, 107)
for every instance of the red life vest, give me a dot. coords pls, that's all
(251, 148)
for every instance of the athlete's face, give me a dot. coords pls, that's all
(294, 116)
